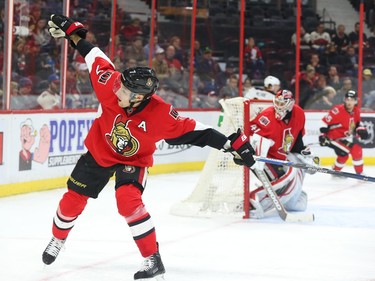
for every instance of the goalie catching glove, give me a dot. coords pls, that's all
(240, 144)
(62, 26)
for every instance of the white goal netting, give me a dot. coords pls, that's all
(220, 188)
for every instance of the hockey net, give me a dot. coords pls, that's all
(223, 187)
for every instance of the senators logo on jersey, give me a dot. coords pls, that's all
(287, 141)
(121, 140)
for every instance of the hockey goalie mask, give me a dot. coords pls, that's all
(283, 103)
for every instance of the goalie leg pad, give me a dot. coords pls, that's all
(288, 187)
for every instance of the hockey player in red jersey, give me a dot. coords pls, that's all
(277, 132)
(122, 141)
(342, 131)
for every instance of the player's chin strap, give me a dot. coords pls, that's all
(313, 168)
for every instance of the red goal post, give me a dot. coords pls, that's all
(223, 187)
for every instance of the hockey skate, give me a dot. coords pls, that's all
(152, 269)
(52, 250)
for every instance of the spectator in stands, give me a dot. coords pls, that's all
(18, 56)
(84, 86)
(368, 89)
(350, 61)
(40, 34)
(118, 62)
(254, 62)
(323, 100)
(347, 85)
(197, 101)
(354, 37)
(198, 52)
(135, 51)
(330, 56)
(248, 90)
(207, 70)
(175, 41)
(45, 66)
(160, 65)
(305, 39)
(341, 39)
(222, 77)
(73, 99)
(15, 101)
(50, 98)
(320, 38)
(371, 39)
(35, 15)
(146, 48)
(25, 98)
(319, 86)
(315, 63)
(307, 82)
(175, 70)
(132, 30)
(211, 100)
(334, 78)
(231, 89)
(77, 58)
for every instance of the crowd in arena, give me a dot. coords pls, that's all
(329, 61)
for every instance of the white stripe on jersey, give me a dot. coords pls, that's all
(93, 55)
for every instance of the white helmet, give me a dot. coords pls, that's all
(271, 81)
(283, 103)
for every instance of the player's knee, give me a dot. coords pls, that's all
(72, 204)
(129, 200)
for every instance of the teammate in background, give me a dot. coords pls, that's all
(122, 141)
(277, 132)
(344, 129)
(271, 86)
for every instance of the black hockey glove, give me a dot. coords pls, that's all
(324, 140)
(68, 27)
(240, 143)
(362, 133)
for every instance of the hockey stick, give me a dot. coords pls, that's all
(313, 168)
(286, 216)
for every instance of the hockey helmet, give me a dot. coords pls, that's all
(351, 94)
(271, 81)
(140, 80)
(283, 103)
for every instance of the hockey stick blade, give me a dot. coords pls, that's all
(299, 217)
(313, 168)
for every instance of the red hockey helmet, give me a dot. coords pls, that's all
(283, 103)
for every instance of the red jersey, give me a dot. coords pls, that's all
(120, 136)
(341, 123)
(283, 132)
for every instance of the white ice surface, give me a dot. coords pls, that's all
(338, 246)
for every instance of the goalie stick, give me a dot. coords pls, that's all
(283, 213)
(313, 168)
